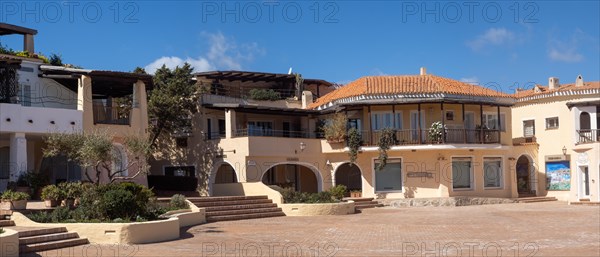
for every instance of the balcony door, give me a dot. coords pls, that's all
(260, 128)
(414, 125)
(584, 184)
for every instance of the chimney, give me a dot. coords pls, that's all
(579, 81)
(307, 99)
(553, 83)
(423, 71)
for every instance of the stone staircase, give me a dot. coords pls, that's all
(536, 199)
(222, 208)
(43, 239)
(37, 239)
(363, 203)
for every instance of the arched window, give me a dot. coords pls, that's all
(119, 160)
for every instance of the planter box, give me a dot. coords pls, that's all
(51, 203)
(13, 205)
(356, 194)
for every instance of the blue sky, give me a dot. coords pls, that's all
(490, 43)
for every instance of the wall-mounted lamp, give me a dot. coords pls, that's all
(302, 146)
(328, 163)
(564, 149)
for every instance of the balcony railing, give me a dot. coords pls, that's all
(273, 133)
(588, 136)
(451, 136)
(111, 115)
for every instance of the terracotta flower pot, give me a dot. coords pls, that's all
(356, 194)
(14, 205)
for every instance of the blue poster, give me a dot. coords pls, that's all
(558, 176)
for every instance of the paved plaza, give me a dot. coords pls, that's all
(537, 229)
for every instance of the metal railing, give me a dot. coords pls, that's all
(257, 132)
(588, 136)
(451, 136)
(111, 115)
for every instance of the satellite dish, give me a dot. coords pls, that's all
(290, 71)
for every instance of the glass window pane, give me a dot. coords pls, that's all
(390, 177)
(461, 172)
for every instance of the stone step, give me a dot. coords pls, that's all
(239, 207)
(365, 202)
(225, 198)
(38, 247)
(366, 206)
(231, 202)
(244, 216)
(242, 211)
(536, 199)
(41, 231)
(358, 199)
(585, 203)
(6, 223)
(47, 238)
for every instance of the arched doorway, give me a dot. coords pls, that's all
(524, 169)
(298, 177)
(585, 121)
(225, 174)
(350, 176)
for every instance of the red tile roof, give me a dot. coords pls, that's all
(539, 90)
(410, 84)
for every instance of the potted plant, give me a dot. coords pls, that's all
(72, 190)
(51, 195)
(12, 200)
(356, 193)
(437, 132)
(22, 184)
(335, 128)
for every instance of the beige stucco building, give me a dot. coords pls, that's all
(37, 99)
(237, 139)
(556, 128)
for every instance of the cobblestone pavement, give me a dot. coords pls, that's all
(537, 229)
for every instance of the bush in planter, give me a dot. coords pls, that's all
(335, 128)
(14, 200)
(264, 94)
(338, 192)
(51, 194)
(178, 202)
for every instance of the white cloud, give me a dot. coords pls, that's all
(470, 80)
(566, 51)
(492, 36)
(223, 53)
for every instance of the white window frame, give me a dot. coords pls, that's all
(402, 176)
(502, 124)
(557, 123)
(397, 120)
(523, 126)
(473, 182)
(502, 171)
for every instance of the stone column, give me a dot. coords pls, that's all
(84, 102)
(230, 123)
(18, 155)
(28, 43)
(140, 107)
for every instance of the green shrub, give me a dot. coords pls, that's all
(118, 203)
(178, 202)
(338, 192)
(71, 190)
(291, 196)
(60, 214)
(260, 94)
(52, 192)
(10, 195)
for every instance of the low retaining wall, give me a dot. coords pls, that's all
(317, 209)
(9, 243)
(125, 233)
(444, 201)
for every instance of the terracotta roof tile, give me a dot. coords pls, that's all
(543, 90)
(410, 84)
